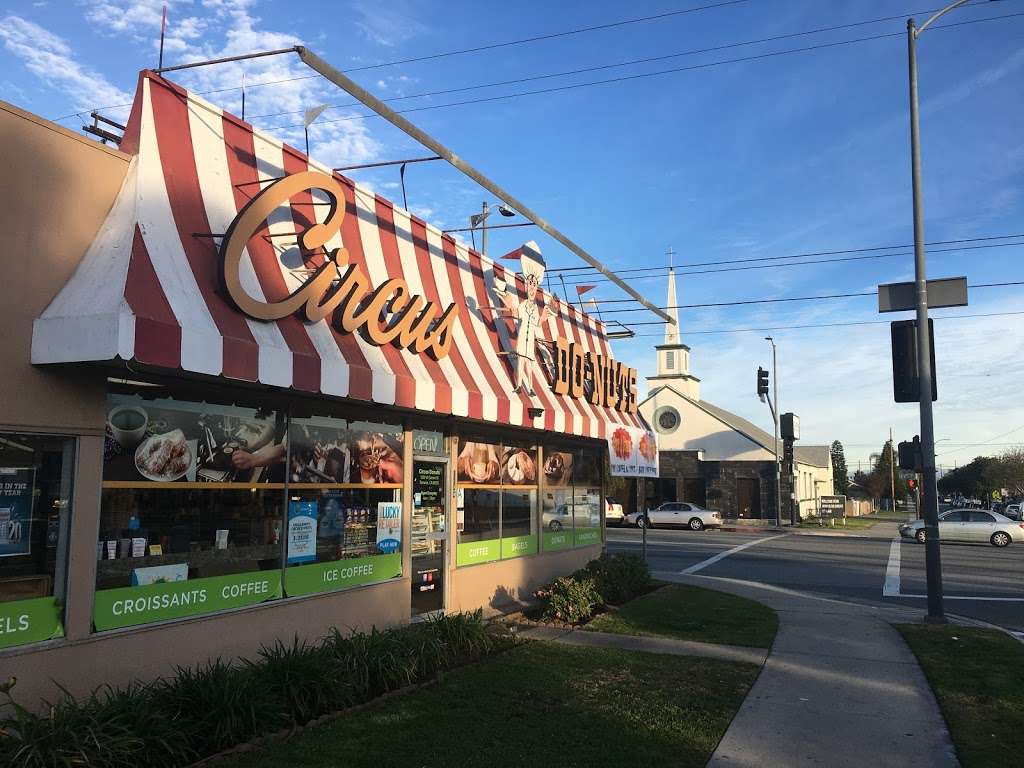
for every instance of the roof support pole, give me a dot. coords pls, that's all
(358, 92)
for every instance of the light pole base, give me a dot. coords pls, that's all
(936, 620)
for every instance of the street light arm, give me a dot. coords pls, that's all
(937, 14)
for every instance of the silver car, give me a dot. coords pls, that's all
(676, 514)
(969, 525)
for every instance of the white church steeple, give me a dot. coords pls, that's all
(673, 355)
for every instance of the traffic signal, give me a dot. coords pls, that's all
(906, 381)
(911, 484)
(909, 455)
(762, 382)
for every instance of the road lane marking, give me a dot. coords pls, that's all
(722, 555)
(891, 587)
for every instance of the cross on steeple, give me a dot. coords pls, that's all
(670, 253)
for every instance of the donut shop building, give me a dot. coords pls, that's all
(245, 398)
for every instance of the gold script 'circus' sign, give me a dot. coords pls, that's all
(387, 314)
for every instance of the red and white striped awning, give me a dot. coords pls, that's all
(147, 289)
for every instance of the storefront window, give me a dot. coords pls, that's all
(587, 499)
(344, 504)
(191, 511)
(35, 501)
(558, 510)
(496, 501)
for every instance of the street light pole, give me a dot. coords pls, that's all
(775, 419)
(929, 491)
(483, 231)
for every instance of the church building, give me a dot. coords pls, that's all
(714, 458)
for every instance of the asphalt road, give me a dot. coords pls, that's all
(980, 581)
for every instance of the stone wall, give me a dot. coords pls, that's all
(720, 481)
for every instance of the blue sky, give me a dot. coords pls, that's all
(790, 154)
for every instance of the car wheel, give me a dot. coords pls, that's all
(1000, 539)
(696, 524)
(643, 522)
(920, 535)
(554, 525)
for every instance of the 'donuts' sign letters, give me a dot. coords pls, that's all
(387, 314)
(602, 380)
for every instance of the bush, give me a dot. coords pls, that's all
(210, 707)
(570, 598)
(619, 578)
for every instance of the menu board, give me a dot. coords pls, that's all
(173, 440)
(16, 489)
(325, 450)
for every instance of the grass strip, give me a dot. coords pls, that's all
(693, 613)
(540, 704)
(978, 678)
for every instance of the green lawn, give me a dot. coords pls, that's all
(693, 613)
(540, 704)
(978, 679)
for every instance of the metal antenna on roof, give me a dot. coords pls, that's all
(163, 28)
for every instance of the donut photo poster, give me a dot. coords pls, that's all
(633, 452)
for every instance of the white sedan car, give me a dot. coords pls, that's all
(677, 514)
(969, 525)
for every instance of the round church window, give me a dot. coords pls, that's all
(668, 419)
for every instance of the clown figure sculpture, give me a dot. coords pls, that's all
(529, 318)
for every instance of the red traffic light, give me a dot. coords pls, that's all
(911, 483)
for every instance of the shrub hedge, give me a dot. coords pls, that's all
(608, 580)
(208, 708)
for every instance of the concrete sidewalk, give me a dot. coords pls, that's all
(840, 688)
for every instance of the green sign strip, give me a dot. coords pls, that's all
(130, 606)
(518, 546)
(555, 540)
(341, 574)
(585, 537)
(29, 621)
(473, 552)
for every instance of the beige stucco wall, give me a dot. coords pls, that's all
(812, 482)
(57, 190)
(503, 585)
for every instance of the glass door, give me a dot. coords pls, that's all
(429, 532)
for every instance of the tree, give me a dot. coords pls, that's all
(840, 476)
(973, 480)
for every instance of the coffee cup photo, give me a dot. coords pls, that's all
(128, 424)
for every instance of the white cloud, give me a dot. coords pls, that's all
(52, 60)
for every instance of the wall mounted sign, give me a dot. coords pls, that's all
(386, 314)
(601, 379)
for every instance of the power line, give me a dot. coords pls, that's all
(476, 49)
(626, 78)
(744, 302)
(800, 263)
(597, 68)
(827, 325)
(793, 256)
(984, 442)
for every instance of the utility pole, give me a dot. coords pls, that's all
(892, 472)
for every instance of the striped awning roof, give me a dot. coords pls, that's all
(148, 288)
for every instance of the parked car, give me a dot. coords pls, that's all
(612, 511)
(1012, 511)
(971, 525)
(676, 514)
(562, 516)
